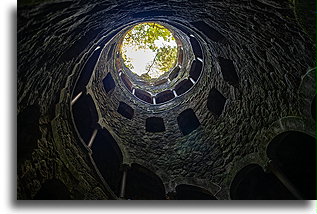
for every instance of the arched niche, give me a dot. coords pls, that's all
(174, 73)
(53, 189)
(108, 159)
(190, 192)
(143, 184)
(195, 69)
(143, 95)
(196, 47)
(86, 72)
(210, 32)
(164, 96)
(126, 81)
(85, 117)
(252, 183)
(183, 86)
(294, 153)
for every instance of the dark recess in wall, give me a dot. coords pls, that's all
(216, 102)
(252, 183)
(295, 155)
(195, 69)
(108, 83)
(108, 158)
(85, 116)
(79, 45)
(228, 71)
(160, 82)
(126, 82)
(183, 86)
(110, 53)
(142, 184)
(196, 47)
(125, 110)
(187, 121)
(174, 73)
(155, 124)
(143, 95)
(164, 96)
(210, 32)
(86, 72)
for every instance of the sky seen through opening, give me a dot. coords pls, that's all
(149, 50)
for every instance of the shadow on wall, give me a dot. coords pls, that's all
(190, 192)
(142, 184)
(53, 189)
(29, 131)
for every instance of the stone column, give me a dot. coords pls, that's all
(76, 98)
(123, 181)
(273, 167)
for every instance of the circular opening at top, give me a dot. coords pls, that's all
(149, 50)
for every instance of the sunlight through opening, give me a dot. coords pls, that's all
(149, 50)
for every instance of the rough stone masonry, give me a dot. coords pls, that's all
(268, 43)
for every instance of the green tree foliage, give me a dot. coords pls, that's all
(143, 36)
(166, 58)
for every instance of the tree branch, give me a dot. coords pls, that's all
(152, 63)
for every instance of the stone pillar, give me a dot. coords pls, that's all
(123, 181)
(76, 98)
(92, 138)
(273, 167)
